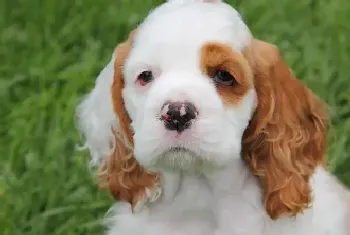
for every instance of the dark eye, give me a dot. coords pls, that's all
(145, 77)
(224, 78)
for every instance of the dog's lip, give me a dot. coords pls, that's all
(178, 149)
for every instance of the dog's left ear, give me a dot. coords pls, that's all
(286, 138)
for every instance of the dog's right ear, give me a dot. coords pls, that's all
(105, 124)
(286, 139)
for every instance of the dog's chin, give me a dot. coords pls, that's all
(180, 159)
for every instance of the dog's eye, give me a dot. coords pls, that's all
(145, 77)
(224, 78)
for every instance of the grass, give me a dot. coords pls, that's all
(51, 52)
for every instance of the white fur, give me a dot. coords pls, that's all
(228, 202)
(178, 78)
(96, 117)
(206, 189)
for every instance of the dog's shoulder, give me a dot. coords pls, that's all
(331, 203)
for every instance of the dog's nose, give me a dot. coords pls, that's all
(178, 116)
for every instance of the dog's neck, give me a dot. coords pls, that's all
(229, 179)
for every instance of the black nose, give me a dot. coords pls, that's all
(178, 116)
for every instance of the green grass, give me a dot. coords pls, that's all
(51, 52)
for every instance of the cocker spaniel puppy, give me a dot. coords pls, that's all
(199, 128)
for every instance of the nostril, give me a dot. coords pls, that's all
(178, 115)
(165, 117)
(190, 110)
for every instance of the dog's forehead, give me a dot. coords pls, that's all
(186, 27)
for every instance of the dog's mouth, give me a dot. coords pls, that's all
(178, 149)
(183, 159)
(180, 152)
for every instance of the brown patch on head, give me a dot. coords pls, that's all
(217, 56)
(121, 173)
(286, 138)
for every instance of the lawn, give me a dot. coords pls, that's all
(51, 52)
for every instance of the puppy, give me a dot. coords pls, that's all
(199, 128)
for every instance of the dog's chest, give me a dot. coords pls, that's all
(224, 204)
(192, 206)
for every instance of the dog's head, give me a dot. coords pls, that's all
(192, 90)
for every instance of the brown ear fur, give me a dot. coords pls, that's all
(286, 139)
(121, 173)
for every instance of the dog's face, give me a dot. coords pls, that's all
(192, 90)
(188, 89)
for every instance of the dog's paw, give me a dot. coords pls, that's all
(147, 195)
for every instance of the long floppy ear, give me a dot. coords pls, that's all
(121, 173)
(286, 139)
